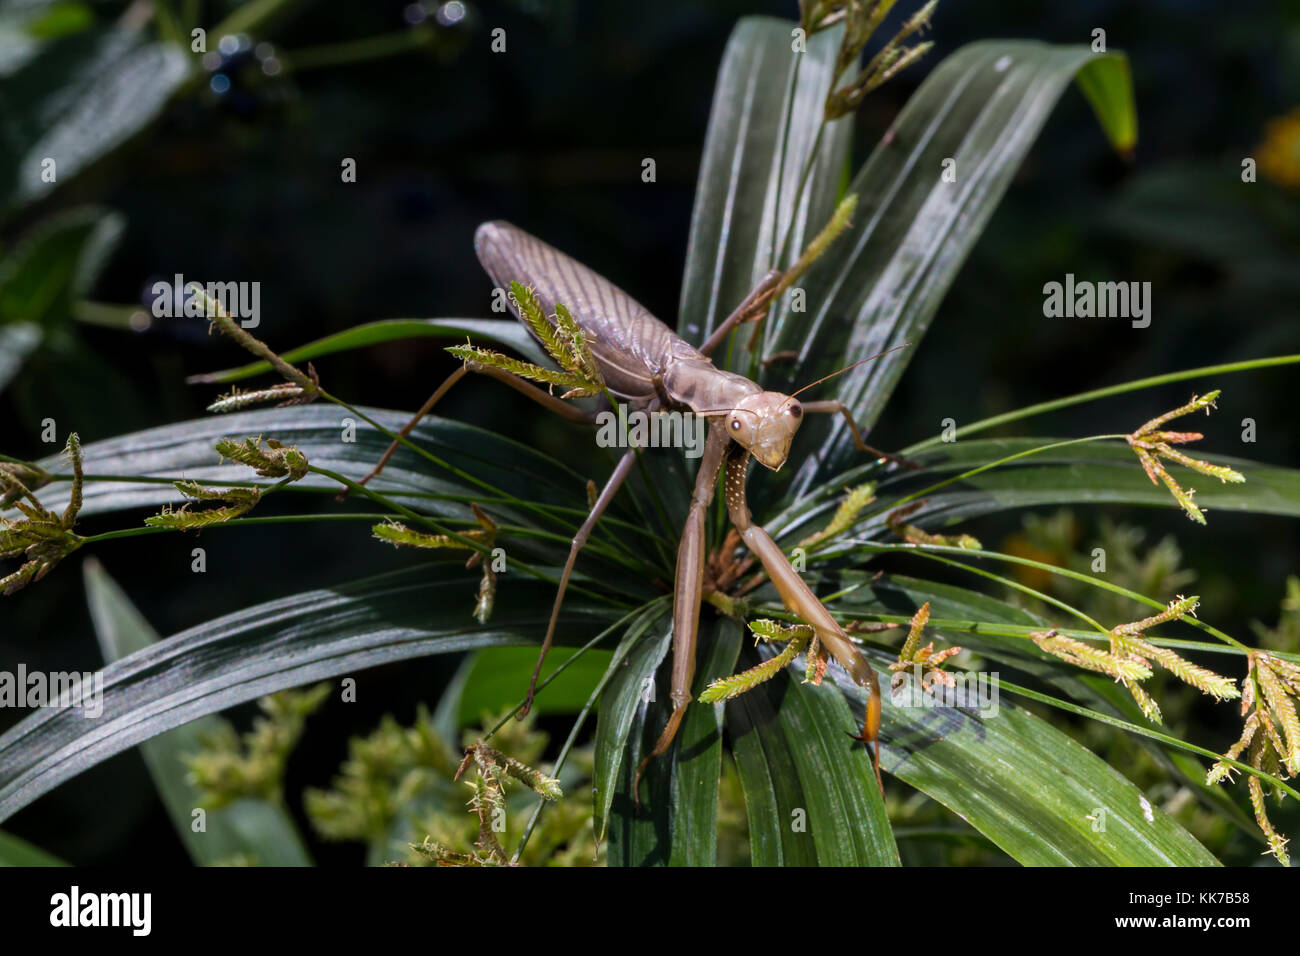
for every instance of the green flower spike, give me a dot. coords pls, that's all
(796, 636)
(931, 661)
(1130, 657)
(563, 340)
(1270, 737)
(41, 537)
(400, 535)
(910, 533)
(1151, 443)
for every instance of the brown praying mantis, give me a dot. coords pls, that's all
(643, 363)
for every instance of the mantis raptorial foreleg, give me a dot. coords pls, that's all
(800, 599)
(795, 593)
(607, 494)
(539, 395)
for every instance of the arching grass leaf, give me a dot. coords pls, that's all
(974, 117)
(268, 647)
(767, 108)
(511, 334)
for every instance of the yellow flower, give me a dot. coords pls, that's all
(1279, 154)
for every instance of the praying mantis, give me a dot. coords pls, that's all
(646, 365)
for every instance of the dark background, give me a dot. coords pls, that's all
(550, 136)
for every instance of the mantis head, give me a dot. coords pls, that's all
(764, 424)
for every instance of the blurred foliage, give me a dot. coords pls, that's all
(400, 779)
(232, 766)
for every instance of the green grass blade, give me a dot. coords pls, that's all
(697, 753)
(15, 851)
(767, 109)
(638, 655)
(503, 332)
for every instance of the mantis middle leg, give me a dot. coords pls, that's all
(833, 407)
(544, 398)
(752, 307)
(687, 589)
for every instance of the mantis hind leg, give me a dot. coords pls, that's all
(615, 482)
(541, 396)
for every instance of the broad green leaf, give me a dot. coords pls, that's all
(250, 828)
(78, 99)
(512, 334)
(513, 482)
(902, 595)
(1108, 86)
(27, 27)
(1090, 473)
(774, 790)
(880, 284)
(767, 108)
(638, 655)
(15, 851)
(1028, 787)
(268, 647)
(41, 278)
(810, 792)
(845, 813)
(697, 752)
(676, 823)
(500, 676)
(479, 465)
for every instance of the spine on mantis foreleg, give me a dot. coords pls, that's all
(795, 594)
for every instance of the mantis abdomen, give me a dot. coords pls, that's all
(644, 362)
